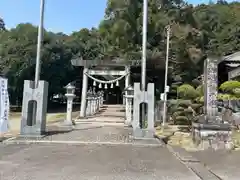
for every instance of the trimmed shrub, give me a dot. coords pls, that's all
(196, 82)
(181, 120)
(184, 103)
(229, 86)
(187, 91)
(200, 90)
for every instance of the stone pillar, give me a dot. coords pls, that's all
(210, 88)
(127, 83)
(102, 98)
(129, 110)
(98, 101)
(39, 96)
(89, 106)
(96, 104)
(92, 105)
(159, 112)
(209, 131)
(84, 93)
(143, 97)
(88, 109)
(70, 98)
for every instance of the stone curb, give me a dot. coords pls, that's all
(192, 163)
(50, 142)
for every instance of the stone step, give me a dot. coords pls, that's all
(99, 120)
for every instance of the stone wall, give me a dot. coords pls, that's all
(212, 136)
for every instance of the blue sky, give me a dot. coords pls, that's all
(60, 15)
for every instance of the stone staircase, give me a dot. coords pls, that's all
(108, 114)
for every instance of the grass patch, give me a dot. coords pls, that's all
(236, 138)
(55, 117)
(50, 117)
(15, 114)
(176, 135)
(184, 140)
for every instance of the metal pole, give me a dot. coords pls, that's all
(127, 83)
(37, 67)
(144, 52)
(166, 76)
(39, 43)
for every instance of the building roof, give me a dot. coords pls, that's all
(232, 57)
(232, 60)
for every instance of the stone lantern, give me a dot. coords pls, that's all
(89, 103)
(94, 101)
(129, 104)
(70, 89)
(70, 94)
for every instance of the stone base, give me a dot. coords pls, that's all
(143, 133)
(32, 131)
(128, 123)
(67, 123)
(30, 137)
(66, 126)
(212, 136)
(36, 98)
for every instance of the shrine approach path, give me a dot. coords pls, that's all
(100, 148)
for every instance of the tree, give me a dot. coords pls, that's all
(196, 32)
(18, 52)
(2, 24)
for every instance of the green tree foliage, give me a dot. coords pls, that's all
(230, 90)
(2, 24)
(196, 31)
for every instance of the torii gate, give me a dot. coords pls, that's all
(88, 73)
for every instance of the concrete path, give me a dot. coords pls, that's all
(100, 149)
(225, 164)
(90, 162)
(107, 114)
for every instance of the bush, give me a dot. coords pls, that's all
(180, 109)
(183, 110)
(172, 106)
(196, 82)
(236, 92)
(182, 120)
(178, 113)
(188, 111)
(174, 86)
(227, 97)
(187, 91)
(229, 86)
(184, 103)
(196, 106)
(200, 90)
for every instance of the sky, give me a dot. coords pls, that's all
(60, 15)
